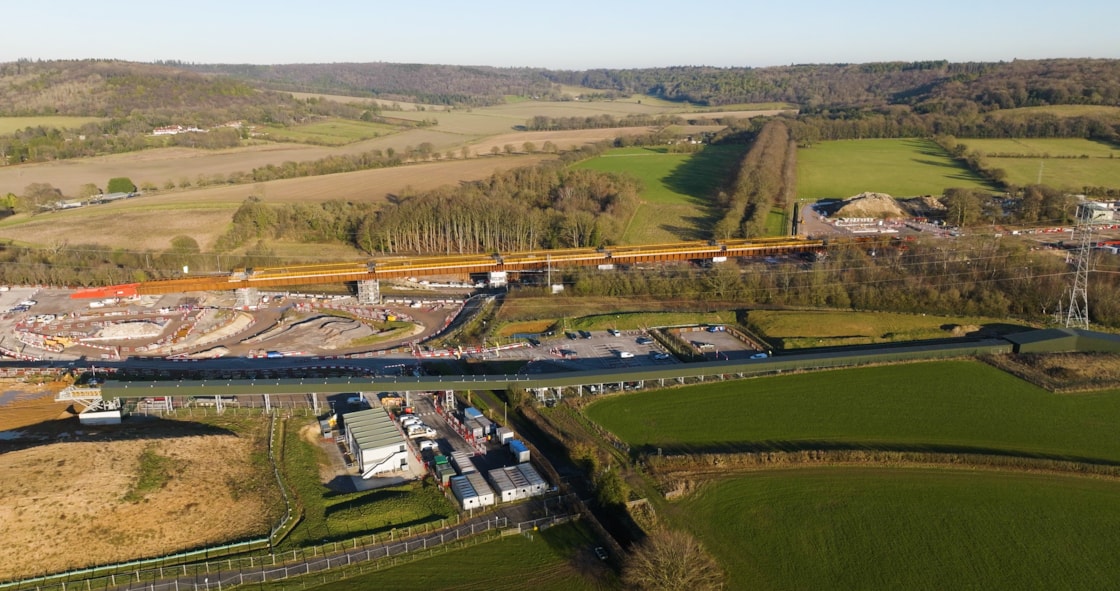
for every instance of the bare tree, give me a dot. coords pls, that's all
(38, 196)
(672, 560)
(88, 190)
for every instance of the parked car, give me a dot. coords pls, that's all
(625, 354)
(428, 444)
(601, 553)
(644, 341)
(659, 355)
(585, 334)
(759, 356)
(614, 332)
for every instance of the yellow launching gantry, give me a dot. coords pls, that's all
(394, 267)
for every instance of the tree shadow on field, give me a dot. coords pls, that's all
(807, 445)
(132, 428)
(701, 178)
(698, 228)
(934, 163)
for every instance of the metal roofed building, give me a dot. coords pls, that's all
(514, 483)
(472, 491)
(375, 441)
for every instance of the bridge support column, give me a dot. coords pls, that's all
(369, 292)
(246, 296)
(449, 403)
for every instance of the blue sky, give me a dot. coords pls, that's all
(575, 34)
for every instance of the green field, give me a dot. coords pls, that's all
(331, 132)
(678, 189)
(872, 528)
(13, 124)
(556, 558)
(952, 406)
(898, 167)
(1063, 163)
(792, 330)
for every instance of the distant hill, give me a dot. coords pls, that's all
(116, 89)
(926, 86)
(429, 84)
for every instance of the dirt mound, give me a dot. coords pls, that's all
(140, 329)
(924, 206)
(327, 332)
(881, 206)
(871, 205)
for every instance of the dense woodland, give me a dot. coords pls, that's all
(928, 86)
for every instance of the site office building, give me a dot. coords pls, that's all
(375, 441)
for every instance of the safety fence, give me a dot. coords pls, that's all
(337, 560)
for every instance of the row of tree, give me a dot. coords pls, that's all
(546, 123)
(766, 178)
(982, 277)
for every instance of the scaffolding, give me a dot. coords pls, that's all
(369, 292)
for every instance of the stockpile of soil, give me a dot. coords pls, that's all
(871, 205)
(884, 207)
(325, 332)
(924, 207)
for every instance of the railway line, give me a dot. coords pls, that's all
(394, 267)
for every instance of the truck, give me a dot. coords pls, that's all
(421, 432)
